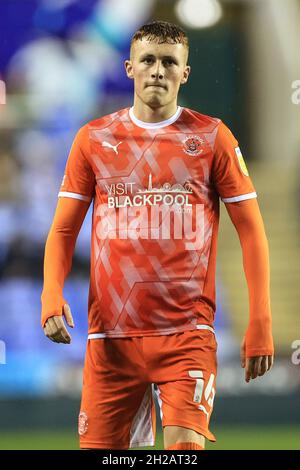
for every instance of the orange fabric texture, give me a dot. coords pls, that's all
(185, 446)
(248, 222)
(117, 407)
(59, 250)
(149, 285)
(149, 277)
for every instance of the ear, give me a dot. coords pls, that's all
(186, 74)
(128, 68)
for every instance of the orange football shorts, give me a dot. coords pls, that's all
(122, 375)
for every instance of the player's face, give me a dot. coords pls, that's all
(158, 70)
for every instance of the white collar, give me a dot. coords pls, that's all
(155, 125)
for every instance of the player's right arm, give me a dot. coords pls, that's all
(76, 193)
(59, 249)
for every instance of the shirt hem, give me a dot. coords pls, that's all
(129, 334)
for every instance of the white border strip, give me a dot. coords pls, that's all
(157, 392)
(97, 336)
(103, 335)
(155, 125)
(205, 327)
(74, 196)
(244, 197)
(141, 431)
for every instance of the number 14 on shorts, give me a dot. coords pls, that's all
(209, 391)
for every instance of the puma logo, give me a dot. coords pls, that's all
(114, 147)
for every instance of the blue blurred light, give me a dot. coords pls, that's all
(49, 20)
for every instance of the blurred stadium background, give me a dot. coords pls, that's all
(61, 62)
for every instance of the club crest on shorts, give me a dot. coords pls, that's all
(192, 145)
(82, 423)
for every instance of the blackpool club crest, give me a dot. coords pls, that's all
(82, 423)
(192, 145)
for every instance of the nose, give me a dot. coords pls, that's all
(157, 71)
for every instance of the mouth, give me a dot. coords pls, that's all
(156, 86)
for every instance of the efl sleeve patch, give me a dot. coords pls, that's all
(241, 161)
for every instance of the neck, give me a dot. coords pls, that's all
(146, 113)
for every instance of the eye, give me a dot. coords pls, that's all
(169, 62)
(148, 60)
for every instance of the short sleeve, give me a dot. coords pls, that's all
(79, 179)
(230, 174)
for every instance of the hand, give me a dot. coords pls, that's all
(55, 328)
(254, 366)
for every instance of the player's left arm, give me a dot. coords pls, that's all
(257, 350)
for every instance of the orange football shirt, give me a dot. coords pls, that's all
(155, 189)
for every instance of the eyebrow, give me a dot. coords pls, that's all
(165, 57)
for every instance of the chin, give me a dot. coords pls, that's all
(154, 101)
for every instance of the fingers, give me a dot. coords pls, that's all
(68, 315)
(248, 369)
(50, 329)
(263, 366)
(47, 330)
(252, 368)
(270, 362)
(62, 332)
(257, 366)
(243, 353)
(56, 331)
